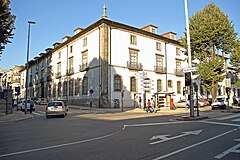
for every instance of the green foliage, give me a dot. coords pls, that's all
(211, 71)
(6, 25)
(235, 56)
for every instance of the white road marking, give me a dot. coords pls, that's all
(228, 117)
(153, 124)
(220, 123)
(194, 145)
(57, 146)
(234, 149)
(165, 138)
(236, 120)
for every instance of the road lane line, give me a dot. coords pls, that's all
(220, 123)
(194, 145)
(153, 124)
(228, 117)
(58, 146)
(236, 120)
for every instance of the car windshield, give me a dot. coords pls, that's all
(55, 104)
(220, 99)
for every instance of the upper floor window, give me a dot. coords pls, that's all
(71, 49)
(133, 57)
(153, 30)
(178, 64)
(85, 58)
(70, 61)
(178, 51)
(59, 55)
(85, 42)
(133, 39)
(59, 67)
(158, 46)
(117, 83)
(159, 61)
(133, 84)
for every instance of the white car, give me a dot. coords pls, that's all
(220, 102)
(30, 104)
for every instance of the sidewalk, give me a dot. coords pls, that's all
(14, 117)
(19, 115)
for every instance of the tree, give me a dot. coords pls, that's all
(211, 30)
(235, 56)
(6, 25)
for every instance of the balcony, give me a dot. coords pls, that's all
(179, 72)
(134, 66)
(159, 69)
(83, 67)
(70, 71)
(58, 75)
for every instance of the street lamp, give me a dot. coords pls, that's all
(27, 67)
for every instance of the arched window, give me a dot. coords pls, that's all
(59, 89)
(179, 86)
(85, 86)
(71, 84)
(117, 83)
(170, 85)
(77, 86)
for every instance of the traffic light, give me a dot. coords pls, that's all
(188, 79)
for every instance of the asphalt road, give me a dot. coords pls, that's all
(88, 136)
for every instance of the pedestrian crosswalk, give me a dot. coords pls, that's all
(234, 118)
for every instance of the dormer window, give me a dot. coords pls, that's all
(153, 30)
(133, 39)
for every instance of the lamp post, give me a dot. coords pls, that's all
(189, 58)
(27, 67)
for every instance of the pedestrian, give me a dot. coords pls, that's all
(149, 108)
(140, 102)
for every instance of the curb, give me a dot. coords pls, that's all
(188, 118)
(16, 120)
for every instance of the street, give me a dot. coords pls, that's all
(93, 136)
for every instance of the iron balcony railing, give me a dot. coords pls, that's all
(134, 66)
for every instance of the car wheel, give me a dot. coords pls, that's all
(63, 115)
(47, 116)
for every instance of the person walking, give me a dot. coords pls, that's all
(140, 102)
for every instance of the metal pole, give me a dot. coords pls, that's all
(189, 57)
(27, 66)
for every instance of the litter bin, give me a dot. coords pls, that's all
(116, 103)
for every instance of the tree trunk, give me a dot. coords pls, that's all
(214, 87)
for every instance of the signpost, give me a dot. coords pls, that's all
(91, 92)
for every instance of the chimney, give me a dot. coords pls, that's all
(150, 28)
(65, 38)
(170, 35)
(48, 50)
(77, 30)
(56, 44)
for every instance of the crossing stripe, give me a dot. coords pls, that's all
(228, 117)
(236, 120)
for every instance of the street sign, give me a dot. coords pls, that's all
(191, 69)
(91, 91)
(141, 74)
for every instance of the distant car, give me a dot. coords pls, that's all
(181, 104)
(56, 108)
(65, 102)
(200, 103)
(30, 104)
(41, 101)
(220, 102)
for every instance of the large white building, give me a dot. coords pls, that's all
(109, 63)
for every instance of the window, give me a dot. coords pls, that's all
(85, 42)
(179, 86)
(133, 85)
(77, 86)
(133, 39)
(117, 83)
(70, 65)
(59, 89)
(71, 49)
(133, 57)
(170, 85)
(59, 67)
(158, 46)
(159, 61)
(153, 30)
(178, 65)
(178, 51)
(84, 59)
(85, 86)
(65, 88)
(159, 85)
(59, 55)
(71, 84)
(54, 90)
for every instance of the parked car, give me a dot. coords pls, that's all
(200, 103)
(56, 108)
(181, 104)
(220, 102)
(41, 101)
(30, 104)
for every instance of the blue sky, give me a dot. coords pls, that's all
(57, 18)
